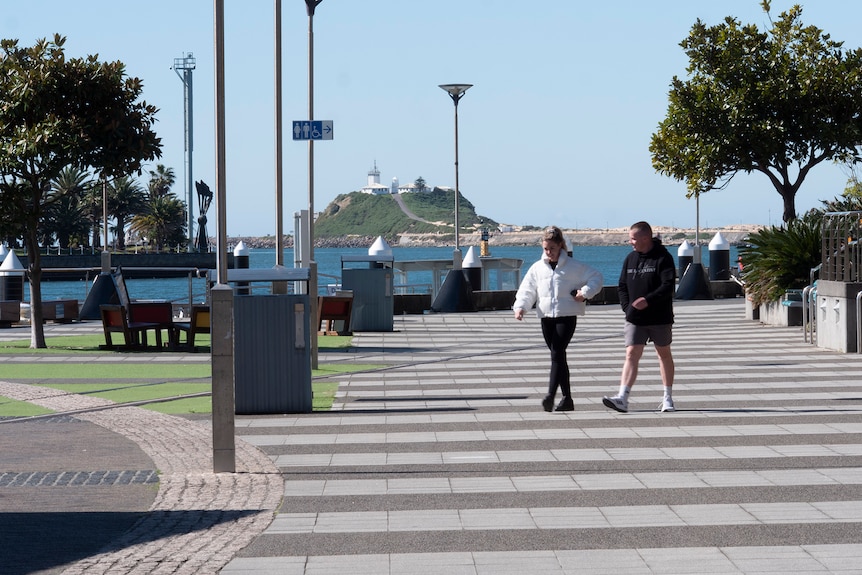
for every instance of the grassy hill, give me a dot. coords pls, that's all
(372, 215)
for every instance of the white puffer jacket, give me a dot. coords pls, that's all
(550, 289)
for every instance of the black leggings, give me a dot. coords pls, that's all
(558, 332)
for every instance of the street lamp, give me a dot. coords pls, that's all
(456, 91)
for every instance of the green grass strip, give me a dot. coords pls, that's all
(14, 408)
(69, 370)
(90, 344)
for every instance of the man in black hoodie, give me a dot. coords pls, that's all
(646, 290)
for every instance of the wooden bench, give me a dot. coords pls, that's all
(115, 320)
(10, 312)
(60, 311)
(160, 313)
(199, 322)
(331, 309)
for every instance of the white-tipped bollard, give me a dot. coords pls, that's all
(472, 267)
(685, 256)
(719, 258)
(11, 278)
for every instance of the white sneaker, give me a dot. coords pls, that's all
(666, 405)
(617, 403)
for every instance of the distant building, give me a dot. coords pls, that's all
(375, 187)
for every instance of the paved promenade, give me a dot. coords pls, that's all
(443, 462)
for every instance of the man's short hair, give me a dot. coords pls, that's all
(642, 228)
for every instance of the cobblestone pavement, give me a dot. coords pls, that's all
(197, 520)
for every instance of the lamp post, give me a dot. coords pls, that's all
(456, 91)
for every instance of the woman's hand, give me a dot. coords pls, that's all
(519, 314)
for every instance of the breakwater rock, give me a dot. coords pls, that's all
(578, 237)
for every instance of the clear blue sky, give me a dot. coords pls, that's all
(555, 130)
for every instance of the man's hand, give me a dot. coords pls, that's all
(640, 303)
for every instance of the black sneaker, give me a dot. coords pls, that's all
(548, 403)
(565, 405)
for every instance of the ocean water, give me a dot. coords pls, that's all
(607, 259)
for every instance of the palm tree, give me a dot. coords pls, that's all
(161, 180)
(163, 221)
(65, 213)
(93, 200)
(125, 199)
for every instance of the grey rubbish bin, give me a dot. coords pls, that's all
(272, 350)
(373, 299)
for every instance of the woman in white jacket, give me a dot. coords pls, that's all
(558, 286)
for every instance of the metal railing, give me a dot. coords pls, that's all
(841, 250)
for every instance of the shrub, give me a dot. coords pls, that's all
(780, 258)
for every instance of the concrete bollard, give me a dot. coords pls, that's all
(472, 267)
(685, 257)
(380, 247)
(11, 278)
(240, 261)
(719, 258)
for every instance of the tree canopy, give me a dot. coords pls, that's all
(57, 113)
(777, 102)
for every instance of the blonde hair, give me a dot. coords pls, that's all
(554, 234)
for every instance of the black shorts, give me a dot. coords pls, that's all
(661, 335)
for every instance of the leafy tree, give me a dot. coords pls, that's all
(420, 184)
(777, 102)
(57, 112)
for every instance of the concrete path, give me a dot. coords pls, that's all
(444, 462)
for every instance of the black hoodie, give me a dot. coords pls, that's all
(651, 275)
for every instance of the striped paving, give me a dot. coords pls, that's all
(443, 462)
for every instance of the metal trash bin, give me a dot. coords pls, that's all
(373, 294)
(272, 346)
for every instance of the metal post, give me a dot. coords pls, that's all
(312, 283)
(105, 247)
(224, 444)
(279, 207)
(457, 254)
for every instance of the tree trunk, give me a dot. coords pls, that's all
(34, 258)
(789, 205)
(121, 232)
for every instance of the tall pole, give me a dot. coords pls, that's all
(457, 192)
(187, 64)
(221, 295)
(456, 91)
(697, 254)
(310, 6)
(312, 265)
(279, 203)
